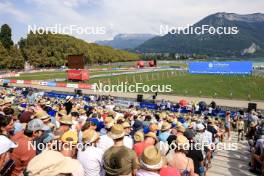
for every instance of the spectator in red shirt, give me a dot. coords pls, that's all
(26, 149)
(150, 139)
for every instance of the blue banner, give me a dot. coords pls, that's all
(148, 105)
(234, 67)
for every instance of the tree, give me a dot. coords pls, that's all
(17, 60)
(6, 36)
(4, 57)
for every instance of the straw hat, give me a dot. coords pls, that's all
(2, 102)
(42, 115)
(165, 126)
(182, 142)
(163, 115)
(8, 100)
(66, 119)
(90, 136)
(151, 134)
(109, 122)
(194, 118)
(126, 125)
(52, 163)
(181, 129)
(56, 108)
(151, 159)
(70, 137)
(62, 112)
(139, 136)
(210, 120)
(153, 127)
(82, 111)
(117, 131)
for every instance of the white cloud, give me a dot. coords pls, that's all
(127, 16)
(7, 8)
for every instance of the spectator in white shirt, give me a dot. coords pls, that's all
(90, 156)
(128, 141)
(105, 142)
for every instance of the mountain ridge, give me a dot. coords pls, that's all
(250, 26)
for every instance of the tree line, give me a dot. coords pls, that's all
(52, 50)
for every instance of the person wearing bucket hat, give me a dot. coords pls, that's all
(138, 137)
(128, 141)
(65, 123)
(178, 158)
(149, 140)
(119, 160)
(211, 129)
(56, 164)
(165, 131)
(90, 156)
(153, 127)
(69, 141)
(151, 162)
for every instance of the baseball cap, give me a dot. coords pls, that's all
(35, 125)
(6, 144)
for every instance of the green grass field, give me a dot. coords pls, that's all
(215, 86)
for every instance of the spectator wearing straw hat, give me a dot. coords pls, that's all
(53, 163)
(138, 137)
(180, 130)
(149, 140)
(105, 141)
(151, 162)
(165, 131)
(119, 160)
(69, 140)
(91, 157)
(128, 141)
(65, 123)
(178, 158)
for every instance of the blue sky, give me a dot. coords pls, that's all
(117, 16)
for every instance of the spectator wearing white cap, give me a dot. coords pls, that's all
(5, 162)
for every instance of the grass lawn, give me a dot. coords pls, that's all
(217, 86)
